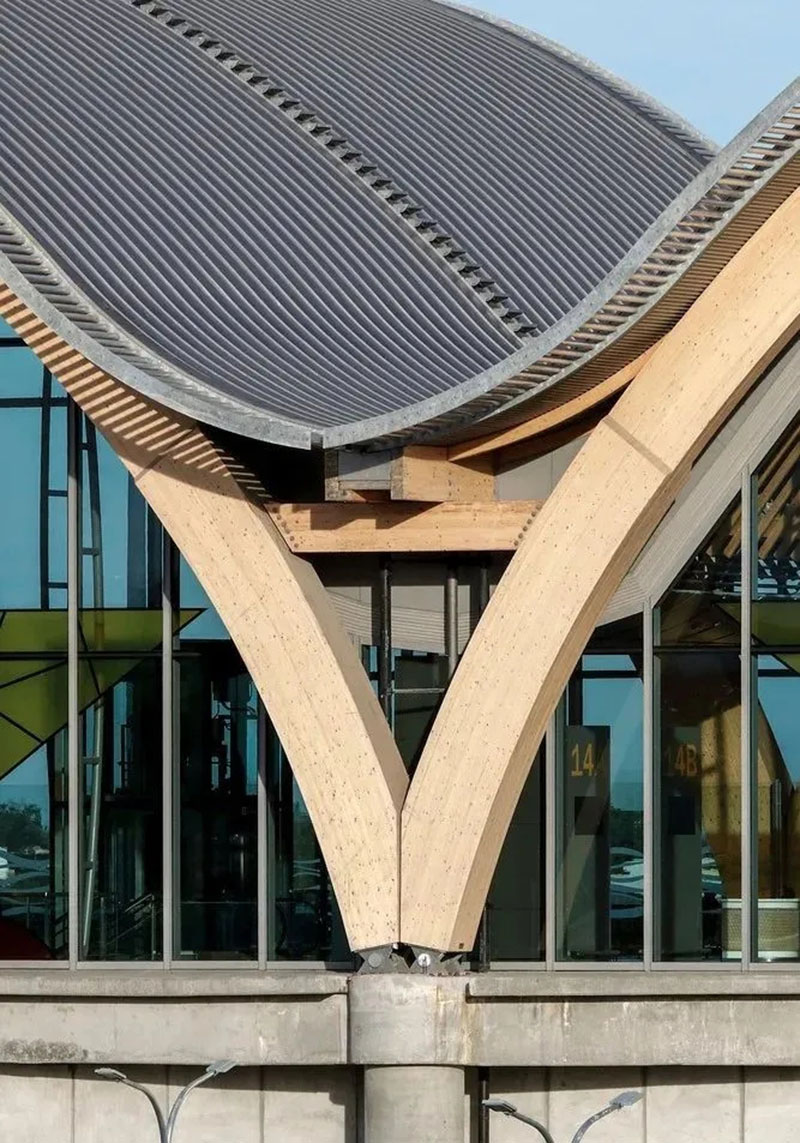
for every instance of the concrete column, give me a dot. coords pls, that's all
(423, 1104)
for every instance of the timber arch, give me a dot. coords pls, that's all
(281, 618)
(559, 582)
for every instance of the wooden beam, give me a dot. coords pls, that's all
(281, 619)
(553, 418)
(423, 472)
(565, 571)
(490, 526)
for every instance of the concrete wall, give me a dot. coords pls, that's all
(680, 1105)
(717, 1054)
(249, 1105)
(321, 1105)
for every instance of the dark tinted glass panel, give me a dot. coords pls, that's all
(515, 913)
(776, 767)
(600, 807)
(420, 679)
(33, 809)
(217, 770)
(121, 842)
(303, 918)
(698, 825)
(704, 604)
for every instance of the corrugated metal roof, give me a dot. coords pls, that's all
(293, 218)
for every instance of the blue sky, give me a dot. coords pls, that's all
(717, 64)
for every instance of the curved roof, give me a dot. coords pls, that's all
(298, 218)
(339, 221)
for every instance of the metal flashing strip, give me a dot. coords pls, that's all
(448, 251)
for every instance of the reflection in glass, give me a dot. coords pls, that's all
(217, 772)
(776, 766)
(698, 827)
(515, 914)
(776, 582)
(600, 806)
(704, 603)
(420, 679)
(121, 554)
(303, 918)
(33, 852)
(121, 863)
(33, 667)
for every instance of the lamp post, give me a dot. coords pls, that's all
(166, 1126)
(624, 1099)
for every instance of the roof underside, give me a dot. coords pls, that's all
(387, 204)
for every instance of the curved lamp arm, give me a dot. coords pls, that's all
(120, 1077)
(625, 1099)
(215, 1069)
(505, 1108)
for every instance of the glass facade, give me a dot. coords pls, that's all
(167, 744)
(148, 812)
(34, 865)
(599, 791)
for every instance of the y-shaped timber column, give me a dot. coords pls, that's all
(281, 619)
(562, 576)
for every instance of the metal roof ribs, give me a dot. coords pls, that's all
(649, 283)
(447, 252)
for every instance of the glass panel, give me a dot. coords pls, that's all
(6, 331)
(515, 914)
(33, 670)
(776, 762)
(121, 554)
(121, 855)
(600, 791)
(217, 769)
(419, 682)
(33, 809)
(776, 584)
(304, 921)
(698, 716)
(704, 603)
(22, 373)
(199, 615)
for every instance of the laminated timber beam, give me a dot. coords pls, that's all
(425, 472)
(546, 423)
(561, 578)
(281, 619)
(385, 527)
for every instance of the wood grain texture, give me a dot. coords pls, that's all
(564, 573)
(490, 526)
(282, 621)
(424, 472)
(553, 418)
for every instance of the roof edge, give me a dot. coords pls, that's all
(676, 124)
(450, 410)
(51, 294)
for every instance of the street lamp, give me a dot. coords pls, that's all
(505, 1108)
(625, 1099)
(166, 1127)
